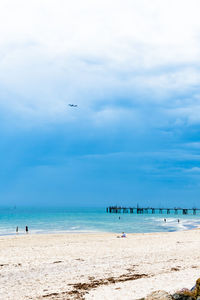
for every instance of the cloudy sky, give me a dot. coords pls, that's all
(133, 69)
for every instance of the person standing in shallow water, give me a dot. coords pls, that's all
(26, 228)
(17, 229)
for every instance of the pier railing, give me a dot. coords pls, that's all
(152, 210)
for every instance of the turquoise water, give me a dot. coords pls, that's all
(58, 220)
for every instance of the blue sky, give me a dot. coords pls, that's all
(132, 67)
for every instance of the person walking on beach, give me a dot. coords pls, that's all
(26, 228)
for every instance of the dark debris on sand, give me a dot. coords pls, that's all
(80, 289)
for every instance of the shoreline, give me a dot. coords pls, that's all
(98, 265)
(92, 232)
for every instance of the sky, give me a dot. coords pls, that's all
(133, 69)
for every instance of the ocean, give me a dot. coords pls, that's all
(88, 220)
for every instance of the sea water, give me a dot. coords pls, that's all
(88, 220)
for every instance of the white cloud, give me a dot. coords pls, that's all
(55, 52)
(193, 170)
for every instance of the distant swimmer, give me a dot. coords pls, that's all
(73, 105)
(119, 218)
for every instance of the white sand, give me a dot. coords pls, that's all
(33, 266)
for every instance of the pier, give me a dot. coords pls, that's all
(152, 210)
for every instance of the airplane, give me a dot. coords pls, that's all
(73, 105)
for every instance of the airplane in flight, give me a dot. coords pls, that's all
(73, 105)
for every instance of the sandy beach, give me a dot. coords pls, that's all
(97, 266)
